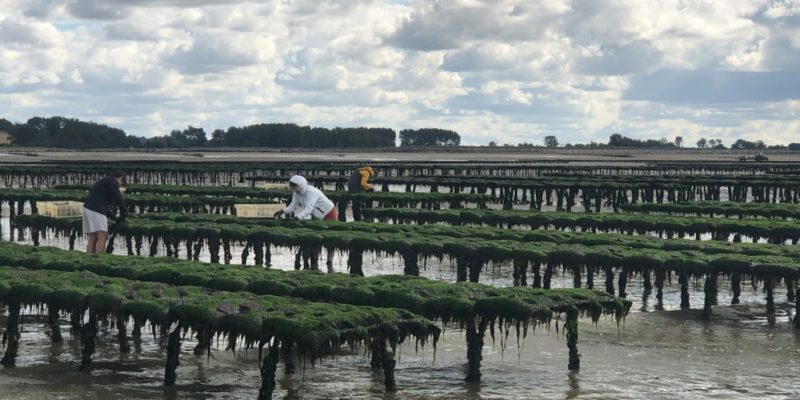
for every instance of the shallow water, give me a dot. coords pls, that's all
(671, 354)
(667, 355)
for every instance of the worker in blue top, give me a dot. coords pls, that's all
(104, 194)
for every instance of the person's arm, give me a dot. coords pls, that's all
(365, 185)
(116, 198)
(291, 207)
(312, 197)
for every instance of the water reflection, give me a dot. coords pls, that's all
(645, 299)
(573, 386)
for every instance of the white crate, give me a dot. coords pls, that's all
(257, 210)
(60, 209)
(274, 186)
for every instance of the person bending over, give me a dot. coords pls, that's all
(315, 205)
(358, 183)
(102, 196)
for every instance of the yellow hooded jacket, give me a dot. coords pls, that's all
(364, 174)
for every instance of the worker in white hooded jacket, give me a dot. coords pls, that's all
(313, 201)
(315, 204)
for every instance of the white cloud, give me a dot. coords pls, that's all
(484, 56)
(501, 70)
(24, 35)
(782, 9)
(452, 25)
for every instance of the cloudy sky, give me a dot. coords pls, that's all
(502, 70)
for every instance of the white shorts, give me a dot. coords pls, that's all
(93, 221)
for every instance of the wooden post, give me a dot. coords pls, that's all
(355, 260)
(769, 284)
(122, 334)
(88, 334)
(173, 353)
(11, 335)
(461, 268)
(683, 279)
(710, 292)
(52, 321)
(269, 366)
(410, 264)
(520, 272)
(537, 276)
(571, 330)
(475, 265)
(736, 287)
(623, 283)
(475, 333)
(287, 356)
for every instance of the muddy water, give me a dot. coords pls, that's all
(671, 354)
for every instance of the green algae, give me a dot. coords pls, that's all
(315, 329)
(607, 222)
(433, 299)
(558, 248)
(725, 208)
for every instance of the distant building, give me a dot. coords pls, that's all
(5, 138)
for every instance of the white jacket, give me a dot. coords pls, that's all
(312, 200)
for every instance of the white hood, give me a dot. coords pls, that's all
(300, 182)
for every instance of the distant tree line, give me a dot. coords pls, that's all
(617, 140)
(63, 132)
(277, 135)
(429, 137)
(60, 132)
(66, 133)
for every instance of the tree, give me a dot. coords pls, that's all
(69, 133)
(702, 143)
(678, 141)
(550, 141)
(293, 135)
(429, 137)
(492, 144)
(217, 138)
(742, 144)
(615, 140)
(196, 136)
(8, 126)
(716, 144)
(189, 137)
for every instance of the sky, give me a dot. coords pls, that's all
(500, 70)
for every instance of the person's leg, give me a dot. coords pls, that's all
(97, 226)
(91, 242)
(100, 245)
(315, 252)
(356, 210)
(332, 216)
(341, 205)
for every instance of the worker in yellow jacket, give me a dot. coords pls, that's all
(359, 183)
